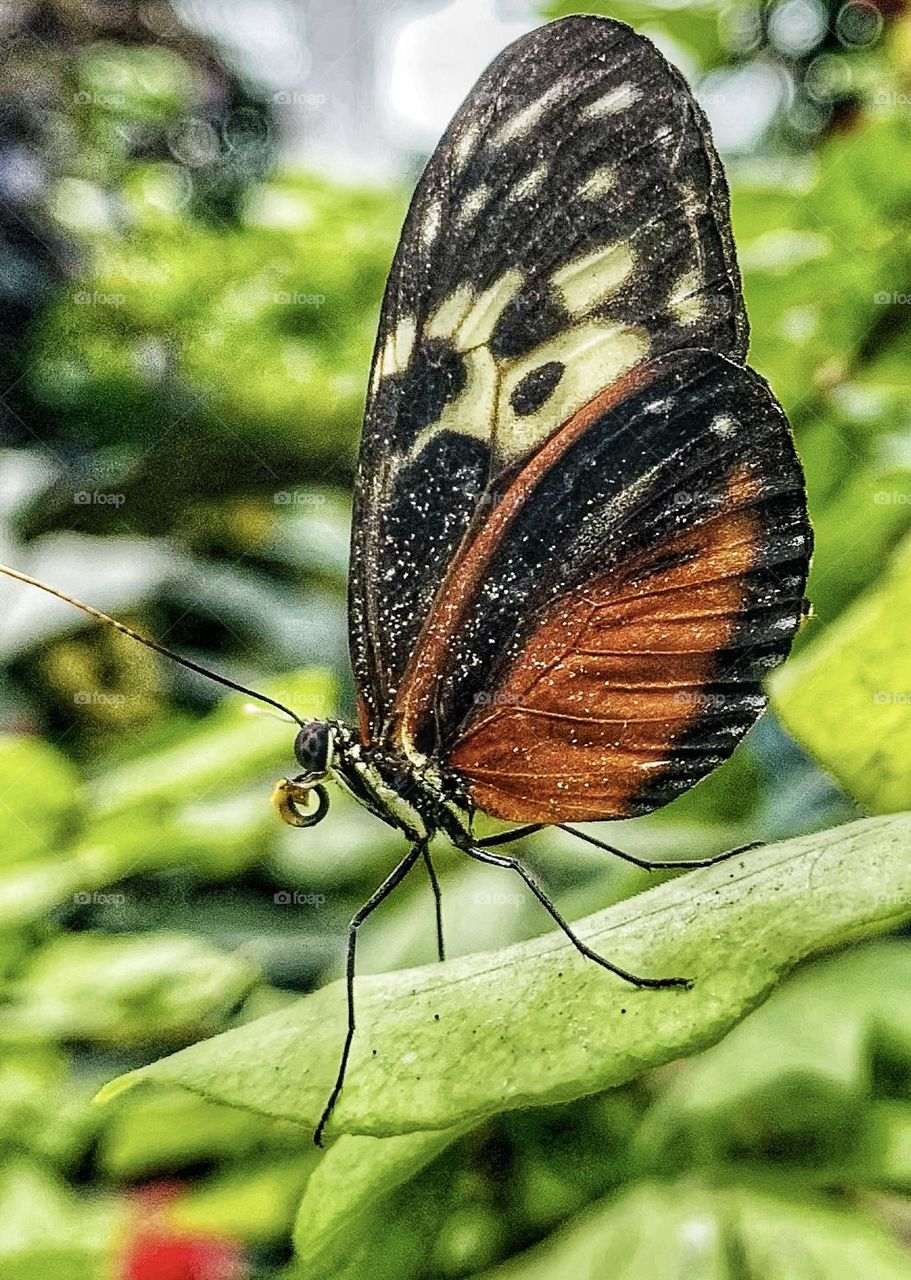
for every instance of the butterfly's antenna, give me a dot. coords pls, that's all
(149, 644)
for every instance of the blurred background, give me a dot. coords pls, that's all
(199, 202)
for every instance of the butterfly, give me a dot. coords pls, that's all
(580, 537)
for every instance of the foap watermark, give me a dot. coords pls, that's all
(297, 898)
(498, 898)
(892, 498)
(892, 697)
(496, 699)
(83, 98)
(894, 299)
(704, 699)
(98, 698)
(298, 98)
(98, 298)
(298, 298)
(300, 498)
(96, 498)
(96, 899)
(511, 497)
(888, 98)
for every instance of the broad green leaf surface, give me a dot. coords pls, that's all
(806, 1063)
(792, 1089)
(535, 1022)
(352, 1191)
(859, 675)
(687, 1231)
(156, 1131)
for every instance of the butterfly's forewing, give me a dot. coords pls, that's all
(571, 226)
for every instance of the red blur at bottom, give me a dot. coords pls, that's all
(182, 1258)
(156, 1251)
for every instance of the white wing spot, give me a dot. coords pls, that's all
(478, 324)
(465, 144)
(528, 184)
(594, 355)
(430, 223)
(616, 99)
(686, 301)
(525, 120)
(598, 182)
(398, 347)
(588, 281)
(723, 425)
(450, 313)
(473, 203)
(472, 412)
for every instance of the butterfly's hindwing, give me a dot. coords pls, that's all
(608, 651)
(571, 226)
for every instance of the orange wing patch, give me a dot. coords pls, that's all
(611, 678)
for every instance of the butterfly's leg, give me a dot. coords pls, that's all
(393, 879)
(681, 864)
(512, 864)
(438, 902)
(678, 864)
(507, 837)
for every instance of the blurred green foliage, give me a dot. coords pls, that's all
(187, 332)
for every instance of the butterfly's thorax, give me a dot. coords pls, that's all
(409, 792)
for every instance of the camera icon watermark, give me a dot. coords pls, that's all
(297, 898)
(98, 698)
(97, 899)
(297, 98)
(496, 898)
(892, 498)
(298, 298)
(94, 498)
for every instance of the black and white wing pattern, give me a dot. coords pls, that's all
(571, 226)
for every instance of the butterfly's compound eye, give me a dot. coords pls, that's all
(313, 747)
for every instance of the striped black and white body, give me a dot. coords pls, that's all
(411, 793)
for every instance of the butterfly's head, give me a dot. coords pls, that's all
(314, 749)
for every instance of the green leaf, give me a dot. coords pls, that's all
(847, 697)
(37, 791)
(162, 1131)
(686, 1231)
(352, 1193)
(46, 1231)
(125, 990)
(535, 1022)
(795, 1082)
(254, 1202)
